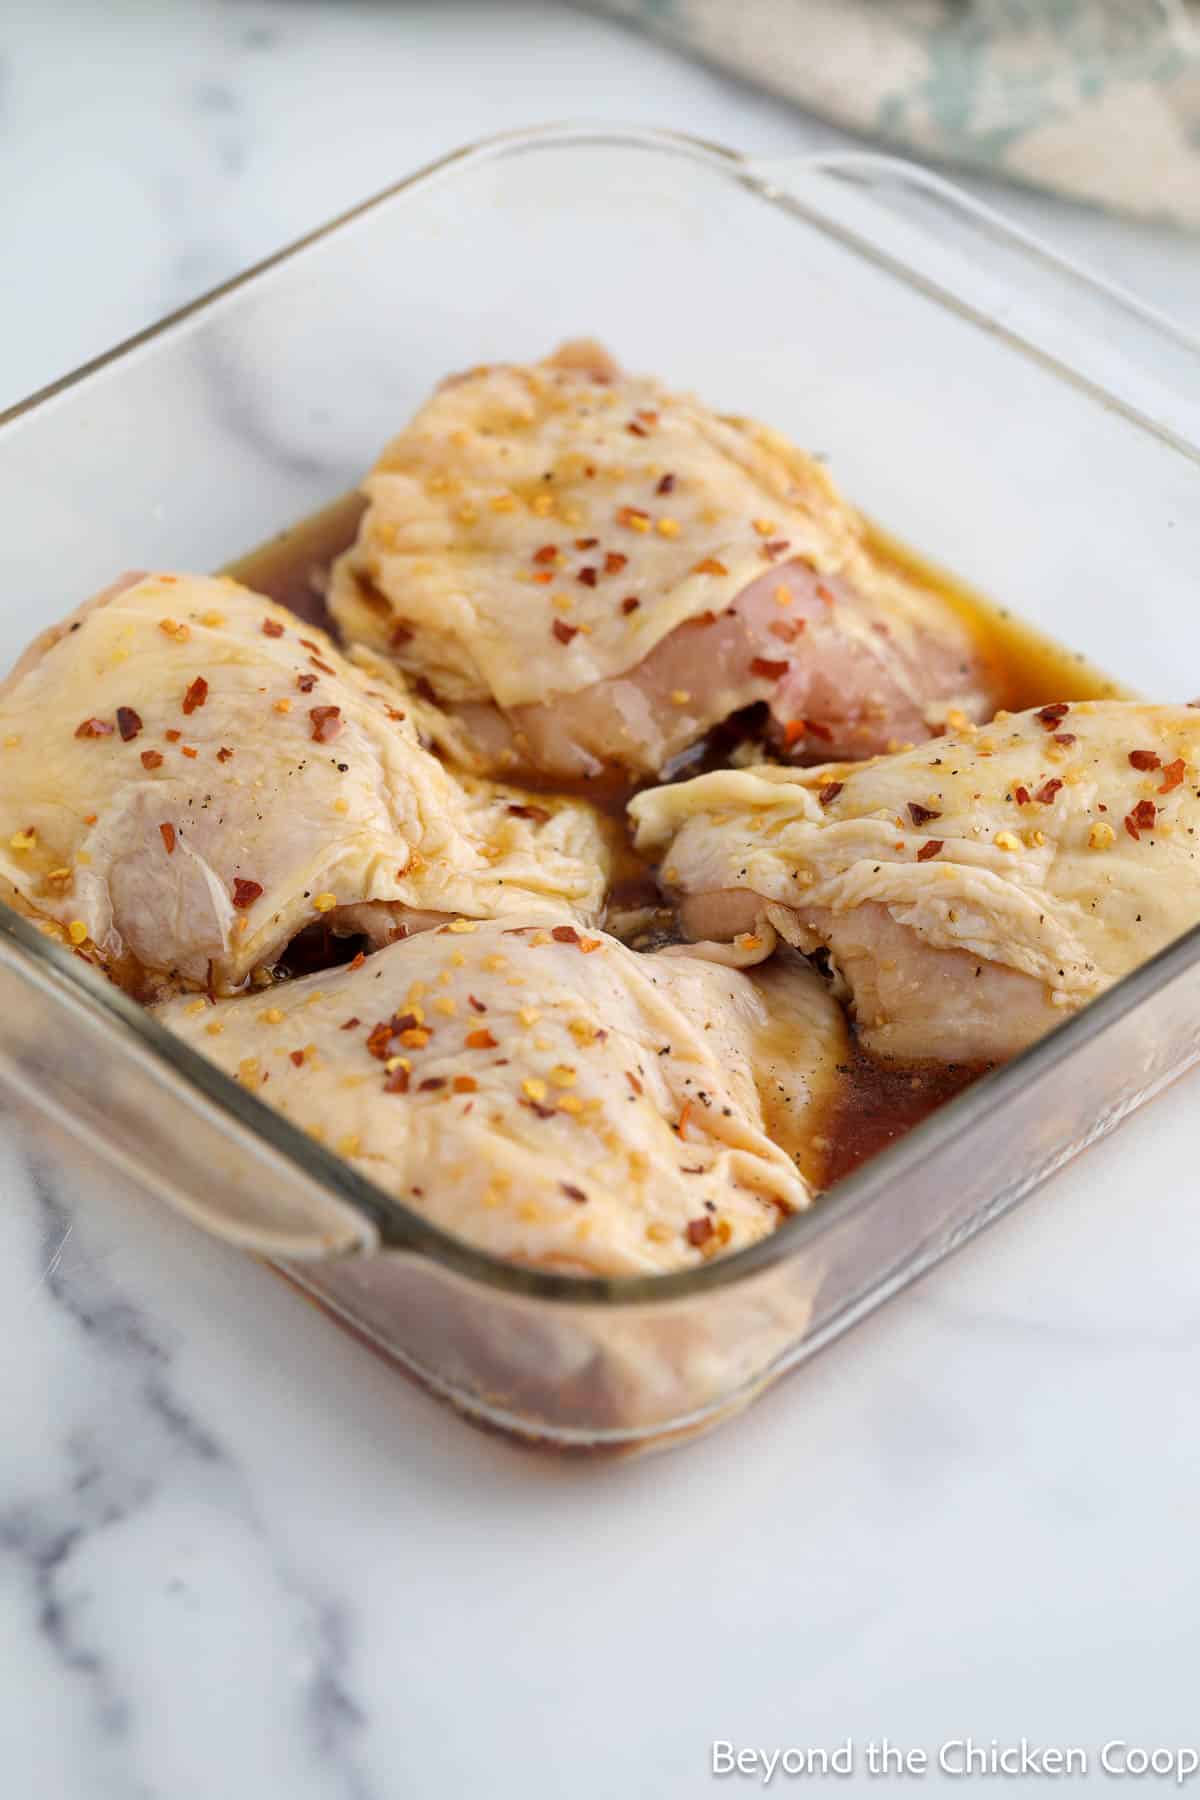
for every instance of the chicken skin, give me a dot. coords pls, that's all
(969, 893)
(587, 571)
(545, 1093)
(189, 777)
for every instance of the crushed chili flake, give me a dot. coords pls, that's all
(547, 554)
(350, 1024)
(710, 565)
(1141, 818)
(400, 635)
(586, 543)
(151, 759)
(172, 737)
(634, 517)
(379, 1039)
(921, 815)
(323, 666)
(787, 630)
(684, 1115)
(775, 549)
(819, 731)
(481, 1040)
(129, 723)
(587, 576)
(1050, 716)
(397, 1082)
(465, 1084)
(1045, 794)
(168, 838)
(699, 1231)
(224, 753)
(1022, 796)
(931, 847)
(326, 723)
(306, 683)
(196, 695)
(793, 731)
(245, 893)
(1065, 738)
(475, 1005)
(1144, 759)
(431, 1084)
(633, 1081)
(272, 628)
(564, 632)
(187, 750)
(538, 814)
(630, 603)
(666, 485)
(296, 1057)
(573, 1193)
(565, 934)
(770, 669)
(614, 562)
(1173, 773)
(830, 792)
(637, 429)
(94, 728)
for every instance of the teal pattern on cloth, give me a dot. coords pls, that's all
(1095, 99)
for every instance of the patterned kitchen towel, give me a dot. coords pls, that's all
(1097, 99)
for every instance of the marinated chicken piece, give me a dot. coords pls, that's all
(585, 570)
(970, 893)
(545, 1093)
(189, 777)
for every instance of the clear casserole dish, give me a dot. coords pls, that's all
(983, 401)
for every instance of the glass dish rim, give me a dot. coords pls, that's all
(398, 1226)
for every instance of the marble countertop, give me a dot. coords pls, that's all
(238, 1555)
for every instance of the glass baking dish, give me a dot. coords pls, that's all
(977, 396)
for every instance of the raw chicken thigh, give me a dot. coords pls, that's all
(970, 893)
(586, 570)
(546, 1093)
(189, 776)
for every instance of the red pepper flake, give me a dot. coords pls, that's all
(326, 723)
(357, 961)
(793, 731)
(931, 847)
(921, 815)
(224, 754)
(1065, 738)
(769, 669)
(475, 1005)
(565, 934)
(830, 792)
(1045, 794)
(684, 1115)
(94, 728)
(379, 1039)
(151, 759)
(699, 1231)
(245, 893)
(431, 1084)
(1051, 716)
(666, 485)
(775, 548)
(1144, 759)
(787, 630)
(627, 514)
(710, 565)
(128, 723)
(481, 1040)
(272, 628)
(573, 1193)
(400, 635)
(630, 603)
(296, 1057)
(172, 737)
(547, 554)
(465, 1084)
(587, 945)
(538, 814)
(187, 750)
(564, 632)
(544, 577)
(587, 576)
(309, 645)
(306, 683)
(1141, 818)
(633, 1081)
(350, 1024)
(196, 695)
(819, 731)
(586, 543)
(1022, 796)
(1173, 773)
(637, 430)
(168, 838)
(614, 562)
(323, 666)
(397, 1082)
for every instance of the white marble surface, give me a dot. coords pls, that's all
(238, 1556)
